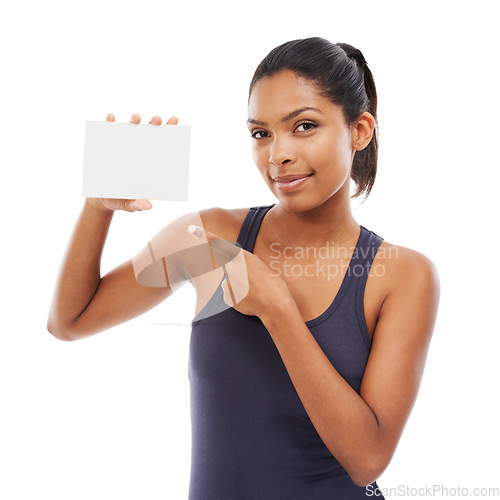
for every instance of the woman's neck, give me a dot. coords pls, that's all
(331, 221)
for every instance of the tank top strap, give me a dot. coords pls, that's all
(360, 268)
(251, 225)
(365, 252)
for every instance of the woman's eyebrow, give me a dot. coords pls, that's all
(286, 117)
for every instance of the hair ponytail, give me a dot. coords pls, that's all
(364, 166)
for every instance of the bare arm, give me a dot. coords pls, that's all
(84, 303)
(79, 275)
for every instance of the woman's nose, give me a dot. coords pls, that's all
(280, 154)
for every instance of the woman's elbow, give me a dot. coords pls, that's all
(369, 472)
(57, 333)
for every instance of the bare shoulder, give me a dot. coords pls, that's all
(404, 268)
(225, 222)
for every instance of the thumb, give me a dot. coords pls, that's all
(139, 204)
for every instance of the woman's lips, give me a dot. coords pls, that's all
(292, 185)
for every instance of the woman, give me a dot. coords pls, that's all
(306, 358)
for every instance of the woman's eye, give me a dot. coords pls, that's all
(257, 132)
(312, 125)
(305, 124)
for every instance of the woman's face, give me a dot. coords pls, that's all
(313, 143)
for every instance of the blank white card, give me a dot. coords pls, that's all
(128, 160)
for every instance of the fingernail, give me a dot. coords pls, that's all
(193, 229)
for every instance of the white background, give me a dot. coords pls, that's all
(107, 417)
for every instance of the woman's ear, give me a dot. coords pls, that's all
(362, 131)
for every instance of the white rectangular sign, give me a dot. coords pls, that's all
(128, 160)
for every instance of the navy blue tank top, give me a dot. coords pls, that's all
(251, 436)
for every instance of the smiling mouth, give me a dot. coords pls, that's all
(290, 178)
(292, 185)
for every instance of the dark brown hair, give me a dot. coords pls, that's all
(340, 73)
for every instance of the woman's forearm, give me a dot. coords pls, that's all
(80, 271)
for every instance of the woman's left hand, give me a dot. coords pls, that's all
(250, 285)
